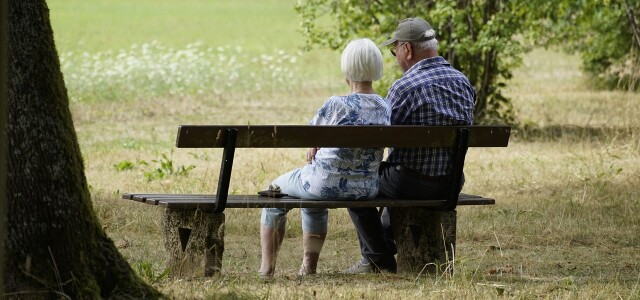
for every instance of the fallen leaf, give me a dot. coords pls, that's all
(501, 270)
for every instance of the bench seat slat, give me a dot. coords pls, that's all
(206, 202)
(143, 197)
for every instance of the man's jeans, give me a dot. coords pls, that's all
(374, 230)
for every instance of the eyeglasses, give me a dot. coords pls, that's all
(393, 50)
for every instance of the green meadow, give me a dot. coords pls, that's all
(567, 220)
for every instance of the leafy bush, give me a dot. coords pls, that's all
(607, 36)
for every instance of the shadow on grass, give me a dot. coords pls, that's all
(591, 226)
(534, 133)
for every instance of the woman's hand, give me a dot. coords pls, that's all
(311, 154)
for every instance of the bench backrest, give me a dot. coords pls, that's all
(300, 136)
(230, 137)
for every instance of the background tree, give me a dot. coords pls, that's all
(54, 243)
(483, 39)
(606, 34)
(486, 39)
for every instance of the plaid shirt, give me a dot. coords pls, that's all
(430, 93)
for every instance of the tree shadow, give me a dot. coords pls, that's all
(550, 133)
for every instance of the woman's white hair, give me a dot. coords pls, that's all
(431, 44)
(361, 61)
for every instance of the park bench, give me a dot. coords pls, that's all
(425, 230)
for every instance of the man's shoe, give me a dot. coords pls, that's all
(361, 267)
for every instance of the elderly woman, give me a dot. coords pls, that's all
(332, 173)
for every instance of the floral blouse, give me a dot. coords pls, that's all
(347, 173)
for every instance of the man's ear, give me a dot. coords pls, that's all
(409, 51)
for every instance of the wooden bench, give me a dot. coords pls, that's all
(425, 230)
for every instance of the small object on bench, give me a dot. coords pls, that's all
(425, 230)
(273, 192)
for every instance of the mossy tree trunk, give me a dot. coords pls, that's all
(54, 243)
(3, 123)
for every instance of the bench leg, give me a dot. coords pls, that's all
(426, 240)
(194, 241)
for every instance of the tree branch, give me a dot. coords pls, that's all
(635, 27)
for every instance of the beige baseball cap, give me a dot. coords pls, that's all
(411, 30)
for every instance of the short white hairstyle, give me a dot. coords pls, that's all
(361, 61)
(431, 44)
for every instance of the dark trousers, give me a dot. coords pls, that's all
(374, 230)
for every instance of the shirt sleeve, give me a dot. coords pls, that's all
(399, 106)
(329, 114)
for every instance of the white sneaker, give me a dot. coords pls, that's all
(361, 267)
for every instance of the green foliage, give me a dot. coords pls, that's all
(483, 39)
(147, 271)
(165, 168)
(127, 165)
(124, 165)
(607, 36)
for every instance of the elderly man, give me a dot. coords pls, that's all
(430, 92)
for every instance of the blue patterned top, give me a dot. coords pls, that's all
(347, 173)
(430, 93)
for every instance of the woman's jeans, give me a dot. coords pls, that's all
(314, 220)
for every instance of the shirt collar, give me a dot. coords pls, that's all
(428, 63)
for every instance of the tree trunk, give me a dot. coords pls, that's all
(633, 22)
(54, 243)
(3, 122)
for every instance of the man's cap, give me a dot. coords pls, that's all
(411, 30)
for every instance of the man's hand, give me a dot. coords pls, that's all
(311, 154)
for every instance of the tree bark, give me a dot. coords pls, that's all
(3, 122)
(635, 27)
(54, 243)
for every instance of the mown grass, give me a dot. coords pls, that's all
(101, 25)
(565, 226)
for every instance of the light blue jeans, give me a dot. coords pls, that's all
(314, 220)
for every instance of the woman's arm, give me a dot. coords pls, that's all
(311, 154)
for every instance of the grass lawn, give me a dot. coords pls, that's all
(99, 25)
(567, 216)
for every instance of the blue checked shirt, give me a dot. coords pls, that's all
(430, 93)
